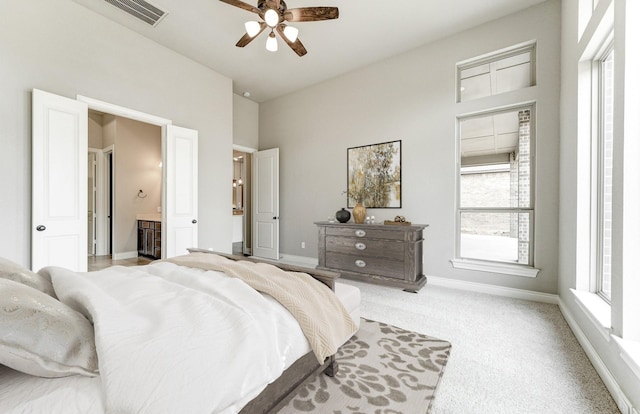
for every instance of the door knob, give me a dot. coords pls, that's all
(41, 228)
(194, 221)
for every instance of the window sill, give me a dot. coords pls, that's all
(630, 353)
(494, 267)
(596, 309)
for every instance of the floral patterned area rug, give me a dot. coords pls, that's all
(382, 370)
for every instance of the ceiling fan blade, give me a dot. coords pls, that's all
(246, 39)
(297, 46)
(311, 14)
(242, 5)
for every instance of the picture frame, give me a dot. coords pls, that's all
(374, 175)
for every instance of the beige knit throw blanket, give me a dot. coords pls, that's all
(323, 318)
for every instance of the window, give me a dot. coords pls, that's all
(604, 168)
(496, 213)
(501, 72)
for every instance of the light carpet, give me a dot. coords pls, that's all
(382, 369)
(509, 356)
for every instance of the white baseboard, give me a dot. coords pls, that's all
(609, 380)
(299, 260)
(493, 290)
(124, 255)
(451, 283)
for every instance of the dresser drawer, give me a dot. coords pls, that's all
(365, 264)
(389, 249)
(389, 255)
(363, 232)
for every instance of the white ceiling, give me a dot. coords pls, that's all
(367, 31)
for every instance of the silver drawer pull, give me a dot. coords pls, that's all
(360, 263)
(361, 246)
(361, 233)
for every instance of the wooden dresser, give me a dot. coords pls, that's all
(383, 254)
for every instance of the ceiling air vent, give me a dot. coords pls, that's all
(140, 9)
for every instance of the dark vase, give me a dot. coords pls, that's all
(343, 216)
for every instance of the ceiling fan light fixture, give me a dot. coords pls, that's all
(252, 27)
(291, 33)
(271, 18)
(275, 16)
(272, 43)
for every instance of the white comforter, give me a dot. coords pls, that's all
(172, 339)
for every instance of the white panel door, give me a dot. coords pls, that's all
(266, 206)
(59, 182)
(181, 196)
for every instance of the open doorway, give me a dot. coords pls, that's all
(125, 186)
(242, 188)
(256, 222)
(59, 236)
(241, 209)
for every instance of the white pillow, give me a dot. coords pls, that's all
(13, 271)
(39, 335)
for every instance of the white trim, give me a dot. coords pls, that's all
(117, 110)
(630, 353)
(97, 201)
(607, 377)
(244, 149)
(109, 231)
(494, 267)
(497, 55)
(125, 255)
(596, 309)
(493, 290)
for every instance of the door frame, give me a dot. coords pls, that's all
(124, 112)
(247, 196)
(97, 178)
(118, 110)
(104, 212)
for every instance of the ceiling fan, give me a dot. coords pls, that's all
(274, 14)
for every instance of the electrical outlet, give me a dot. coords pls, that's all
(303, 245)
(159, 209)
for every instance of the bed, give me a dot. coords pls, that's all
(173, 336)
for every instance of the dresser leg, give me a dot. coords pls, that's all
(410, 290)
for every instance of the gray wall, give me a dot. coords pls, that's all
(63, 48)
(245, 122)
(411, 97)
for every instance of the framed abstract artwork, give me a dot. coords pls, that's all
(374, 175)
